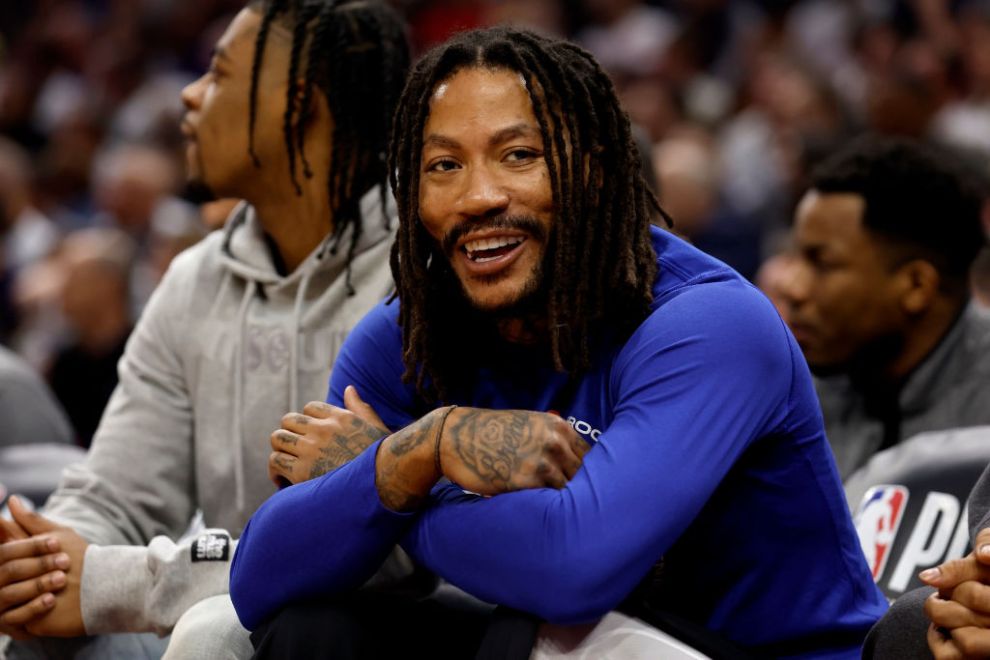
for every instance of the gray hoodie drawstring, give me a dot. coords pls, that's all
(301, 292)
(294, 354)
(238, 434)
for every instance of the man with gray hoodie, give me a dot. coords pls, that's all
(293, 117)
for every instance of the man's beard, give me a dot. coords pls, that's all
(196, 191)
(532, 300)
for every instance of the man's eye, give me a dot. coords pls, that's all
(517, 155)
(443, 165)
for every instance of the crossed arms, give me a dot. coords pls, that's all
(567, 554)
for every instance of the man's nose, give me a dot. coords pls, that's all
(192, 94)
(483, 194)
(795, 282)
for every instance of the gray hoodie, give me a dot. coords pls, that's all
(224, 348)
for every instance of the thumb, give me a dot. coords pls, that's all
(954, 572)
(33, 523)
(981, 546)
(354, 403)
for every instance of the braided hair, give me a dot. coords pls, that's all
(600, 265)
(355, 53)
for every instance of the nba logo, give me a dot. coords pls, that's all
(877, 520)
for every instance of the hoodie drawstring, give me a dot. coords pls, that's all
(296, 332)
(238, 435)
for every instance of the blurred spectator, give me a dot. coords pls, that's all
(96, 304)
(627, 36)
(765, 148)
(688, 176)
(129, 181)
(175, 226)
(965, 122)
(35, 435)
(548, 17)
(26, 235)
(29, 414)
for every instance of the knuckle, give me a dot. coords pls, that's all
(315, 408)
(967, 643)
(964, 592)
(980, 597)
(954, 569)
(560, 426)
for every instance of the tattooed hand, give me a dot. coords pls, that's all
(484, 451)
(497, 451)
(322, 438)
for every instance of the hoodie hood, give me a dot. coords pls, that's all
(246, 254)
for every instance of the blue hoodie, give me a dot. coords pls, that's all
(708, 451)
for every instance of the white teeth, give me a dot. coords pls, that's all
(489, 244)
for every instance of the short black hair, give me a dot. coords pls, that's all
(923, 200)
(601, 265)
(355, 52)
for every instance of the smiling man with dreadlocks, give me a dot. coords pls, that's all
(293, 116)
(600, 394)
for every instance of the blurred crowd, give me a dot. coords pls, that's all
(734, 101)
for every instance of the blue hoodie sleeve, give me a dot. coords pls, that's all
(687, 403)
(319, 537)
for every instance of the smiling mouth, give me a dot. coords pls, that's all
(484, 250)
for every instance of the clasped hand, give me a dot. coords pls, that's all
(960, 610)
(41, 567)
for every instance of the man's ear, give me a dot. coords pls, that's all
(919, 281)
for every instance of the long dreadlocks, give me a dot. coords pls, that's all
(601, 265)
(355, 52)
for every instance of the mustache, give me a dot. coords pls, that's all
(524, 223)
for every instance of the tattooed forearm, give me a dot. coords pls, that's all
(399, 487)
(414, 435)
